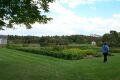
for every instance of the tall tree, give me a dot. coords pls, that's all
(24, 12)
(114, 38)
(106, 38)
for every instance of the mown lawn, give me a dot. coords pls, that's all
(18, 65)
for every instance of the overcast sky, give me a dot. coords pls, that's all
(72, 17)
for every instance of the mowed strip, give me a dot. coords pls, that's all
(28, 66)
(22, 56)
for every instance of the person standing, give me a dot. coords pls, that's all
(105, 51)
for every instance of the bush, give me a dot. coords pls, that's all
(114, 50)
(58, 48)
(77, 51)
(64, 53)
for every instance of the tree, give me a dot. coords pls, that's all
(106, 38)
(114, 38)
(24, 12)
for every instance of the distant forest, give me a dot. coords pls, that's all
(112, 38)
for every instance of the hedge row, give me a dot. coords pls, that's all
(115, 50)
(68, 54)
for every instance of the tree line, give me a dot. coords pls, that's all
(112, 38)
(52, 40)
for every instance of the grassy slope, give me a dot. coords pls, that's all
(18, 65)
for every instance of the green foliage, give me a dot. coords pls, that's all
(112, 38)
(24, 12)
(106, 38)
(52, 41)
(58, 48)
(60, 52)
(85, 47)
(78, 53)
(114, 50)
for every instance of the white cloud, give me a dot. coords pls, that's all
(65, 22)
(83, 23)
(116, 15)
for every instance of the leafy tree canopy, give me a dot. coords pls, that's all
(24, 12)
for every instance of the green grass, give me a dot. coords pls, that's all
(18, 65)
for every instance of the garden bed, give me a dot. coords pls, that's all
(64, 53)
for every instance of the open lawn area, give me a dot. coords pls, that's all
(19, 65)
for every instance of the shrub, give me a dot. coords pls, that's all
(64, 53)
(77, 51)
(58, 47)
(114, 50)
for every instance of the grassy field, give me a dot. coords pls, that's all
(18, 65)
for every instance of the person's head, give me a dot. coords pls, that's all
(104, 43)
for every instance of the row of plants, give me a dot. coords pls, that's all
(64, 53)
(96, 48)
(114, 50)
